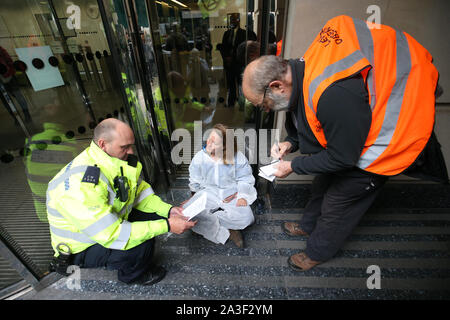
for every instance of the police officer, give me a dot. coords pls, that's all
(103, 211)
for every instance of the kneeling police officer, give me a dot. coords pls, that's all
(104, 213)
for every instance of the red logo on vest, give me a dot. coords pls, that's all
(327, 35)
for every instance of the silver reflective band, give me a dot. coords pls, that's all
(144, 194)
(366, 44)
(394, 104)
(101, 224)
(112, 194)
(51, 156)
(54, 212)
(53, 184)
(329, 71)
(124, 236)
(71, 235)
(125, 210)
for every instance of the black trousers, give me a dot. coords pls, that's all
(338, 202)
(232, 77)
(131, 264)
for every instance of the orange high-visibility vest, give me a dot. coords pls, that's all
(401, 81)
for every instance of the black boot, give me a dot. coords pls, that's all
(152, 276)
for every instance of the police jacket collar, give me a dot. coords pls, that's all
(110, 165)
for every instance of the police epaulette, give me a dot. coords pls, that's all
(92, 175)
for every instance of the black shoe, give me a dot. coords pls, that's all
(152, 276)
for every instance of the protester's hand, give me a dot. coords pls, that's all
(229, 198)
(279, 150)
(283, 169)
(241, 202)
(179, 224)
(177, 211)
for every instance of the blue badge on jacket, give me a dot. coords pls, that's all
(91, 175)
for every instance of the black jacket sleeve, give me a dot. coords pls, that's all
(292, 135)
(345, 115)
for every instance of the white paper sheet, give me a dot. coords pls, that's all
(195, 207)
(267, 171)
(270, 178)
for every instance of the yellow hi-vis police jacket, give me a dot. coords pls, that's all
(83, 210)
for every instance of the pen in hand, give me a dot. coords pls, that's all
(276, 151)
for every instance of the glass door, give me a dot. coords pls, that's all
(63, 69)
(125, 33)
(56, 83)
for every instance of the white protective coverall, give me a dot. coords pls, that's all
(218, 181)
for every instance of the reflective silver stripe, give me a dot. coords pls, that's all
(112, 194)
(140, 180)
(54, 212)
(144, 194)
(53, 184)
(366, 44)
(332, 69)
(394, 104)
(70, 144)
(124, 236)
(101, 224)
(71, 235)
(46, 156)
(125, 210)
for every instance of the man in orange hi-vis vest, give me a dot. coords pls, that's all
(361, 108)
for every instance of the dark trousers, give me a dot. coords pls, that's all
(131, 264)
(232, 77)
(338, 202)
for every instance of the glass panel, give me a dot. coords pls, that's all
(203, 57)
(49, 101)
(128, 64)
(89, 45)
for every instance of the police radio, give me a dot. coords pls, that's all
(121, 184)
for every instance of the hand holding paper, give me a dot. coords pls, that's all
(197, 206)
(283, 169)
(179, 224)
(267, 172)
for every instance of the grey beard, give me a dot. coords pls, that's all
(280, 103)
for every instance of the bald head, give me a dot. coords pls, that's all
(268, 73)
(115, 138)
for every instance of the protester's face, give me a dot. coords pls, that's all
(214, 143)
(121, 144)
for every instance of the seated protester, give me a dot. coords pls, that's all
(226, 178)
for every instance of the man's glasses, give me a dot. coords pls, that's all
(261, 105)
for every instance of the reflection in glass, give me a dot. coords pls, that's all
(42, 129)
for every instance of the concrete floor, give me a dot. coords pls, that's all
(409, 240)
